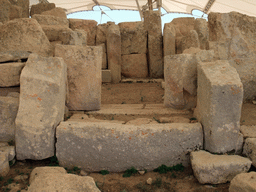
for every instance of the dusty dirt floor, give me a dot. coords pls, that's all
(126, 93)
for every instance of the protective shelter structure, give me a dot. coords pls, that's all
(171, 6)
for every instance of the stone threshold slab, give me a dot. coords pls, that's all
(138, 109)
(141, 80)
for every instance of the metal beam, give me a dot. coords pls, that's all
(150, 5)
(208, 6)
(138, 5)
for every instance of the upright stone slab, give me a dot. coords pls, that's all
(152, 22)
(114, 52)
(219, 102)
(42, 105)
(169, 39)
(84, 75)
(89, 26)
(133, 38)
(8, 111)
(201, 27)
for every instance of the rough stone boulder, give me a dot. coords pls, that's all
(10, 74)
(42, 106)
(249, 150)
(55, 32)
(50, 20)
(41, 7)
(248, 131)
(13, 56)
(24, 4)
(4, 164)
(24, 35)
(134, 66)
(215, 169)
(201, 27)
(9, 11)
(95, 146)
(56, 179)
(57, 12)
(76, 37)
(244, 182)
(10, 150)
(235, 36)
(133, 38)
(185, 42)
(84, 75)
(89, 26)
(8, 111)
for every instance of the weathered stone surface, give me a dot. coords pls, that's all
(41, 7)
(24, 4)
(243, 182)
(205, 56)
(219, 102)
(24, 35)
(13, 94)
(10, 150)
(191, 50)
(215, 169)
(4, 164)
(89, 26)
(54, 32)
(84, 75)
(133, 38)
(141, 121)
(50, 20)
(114, 52)
(186, 42)
(169, 39)
(116, 147)
(248, 131)
(55, 179)
(183, 25)
(57, 12)
(101, 33)
(69, 37)
(175, 119)
(104, 56)
(134, 66)
(152, 23)
(10, 74)
(106, 76)
(220, 48)
(13, 56)
(8, 111)
(41, 108)
(237, 35)
(180, 74)
(9, 11)
(250, 149)
(201, 27)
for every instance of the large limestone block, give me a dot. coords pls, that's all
(185, 42)
(54, 32)
(249, 150)
(106, 76)
(4, 164)
(133, 38)
(8, 111)
(9, 11)
(152, 22)
(10, 74)
(10, 150)
(117, 147)
(169, 39)
(114, 52)
(76, 37)
(56, 179)
(134, 66)
(180, 77)
(183, 25)
(248, 131)
(50, 20)
(24, 4)
(244, 182)
(215, 169)
(57, 12)
(219, 102)
(89, 26)
(6, 56)
(24, 35)
(41, 7)
(41, 108)
(201, 27)
(84, 75)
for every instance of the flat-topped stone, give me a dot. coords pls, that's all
(115, 147)
(215, 169)
(244, 182)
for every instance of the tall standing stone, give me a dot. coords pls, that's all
(219, 102)
(169, 39)
(152, 22)
(84, 75)
(201, 27)
(42, 105)
(114, 52)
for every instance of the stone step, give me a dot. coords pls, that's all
(96, 146)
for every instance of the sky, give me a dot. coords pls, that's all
(118, 16)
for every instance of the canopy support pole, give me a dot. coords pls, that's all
(150, 5)
(141, 15)
(159, 5)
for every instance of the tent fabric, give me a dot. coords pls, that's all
(247, 7)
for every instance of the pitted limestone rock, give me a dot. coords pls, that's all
(4, 164)
(244, 182)
(249, 150)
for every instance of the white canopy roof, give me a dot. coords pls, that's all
(247, 7)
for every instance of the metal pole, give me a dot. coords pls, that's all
(150, 5)
(141, 16)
